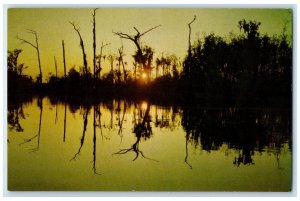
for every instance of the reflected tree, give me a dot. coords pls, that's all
(13, 118)
(142, 130)
(65, 121)
(85, 122)
(95, 124)
(38, 135)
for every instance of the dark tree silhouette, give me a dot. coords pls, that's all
(85, 65)
(36, 47)
(121, 54)
(99, 68)
(55, 64)
(190, 30)
(64, 59)
(140, 57)
(94, 41)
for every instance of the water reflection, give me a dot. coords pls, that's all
(14, 114)
(243, 134)
(243, 129)
(141, 128)
(85, 121)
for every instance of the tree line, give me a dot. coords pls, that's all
(244, 65)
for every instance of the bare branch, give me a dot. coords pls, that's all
(74, 26)
(28, 140)
(147, 157)
(82, 47)
(25, 41)
(189, 25)
(94, 12)
(105, 45)
(150, 30)
(31, 31)
(123, 151)
(137, 30)
(123, 35)
(185, 160)
(192, 20)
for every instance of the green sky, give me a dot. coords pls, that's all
(172, 37)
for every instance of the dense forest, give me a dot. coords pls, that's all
(247, 67)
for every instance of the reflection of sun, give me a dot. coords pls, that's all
(144, 105)
(144, 75)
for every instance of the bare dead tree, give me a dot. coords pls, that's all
(122, 62)
(135, 65)
(85, 69)
(36, 47)
(64, 58)
(190, 30)
(136, 40)
(94, 41)
(119, 70)
(111, 58)
(55, 67)
(98, 71)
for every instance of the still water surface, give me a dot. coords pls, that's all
(120, 145)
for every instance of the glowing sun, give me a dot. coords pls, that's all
(144, 75)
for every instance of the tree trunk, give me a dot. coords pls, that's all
(39, 60)
(122, 62)
(82, 48)
(36, 46)
(189, 24)
(55, 67)
(94, 42)
(64, 57)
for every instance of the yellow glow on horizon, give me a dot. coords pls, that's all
(144, 75)
(144, 105)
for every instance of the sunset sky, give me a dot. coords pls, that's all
(172, 37)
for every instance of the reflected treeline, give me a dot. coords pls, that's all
(96, 123)
(16, 113)
(243, 130)
(13, 118)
